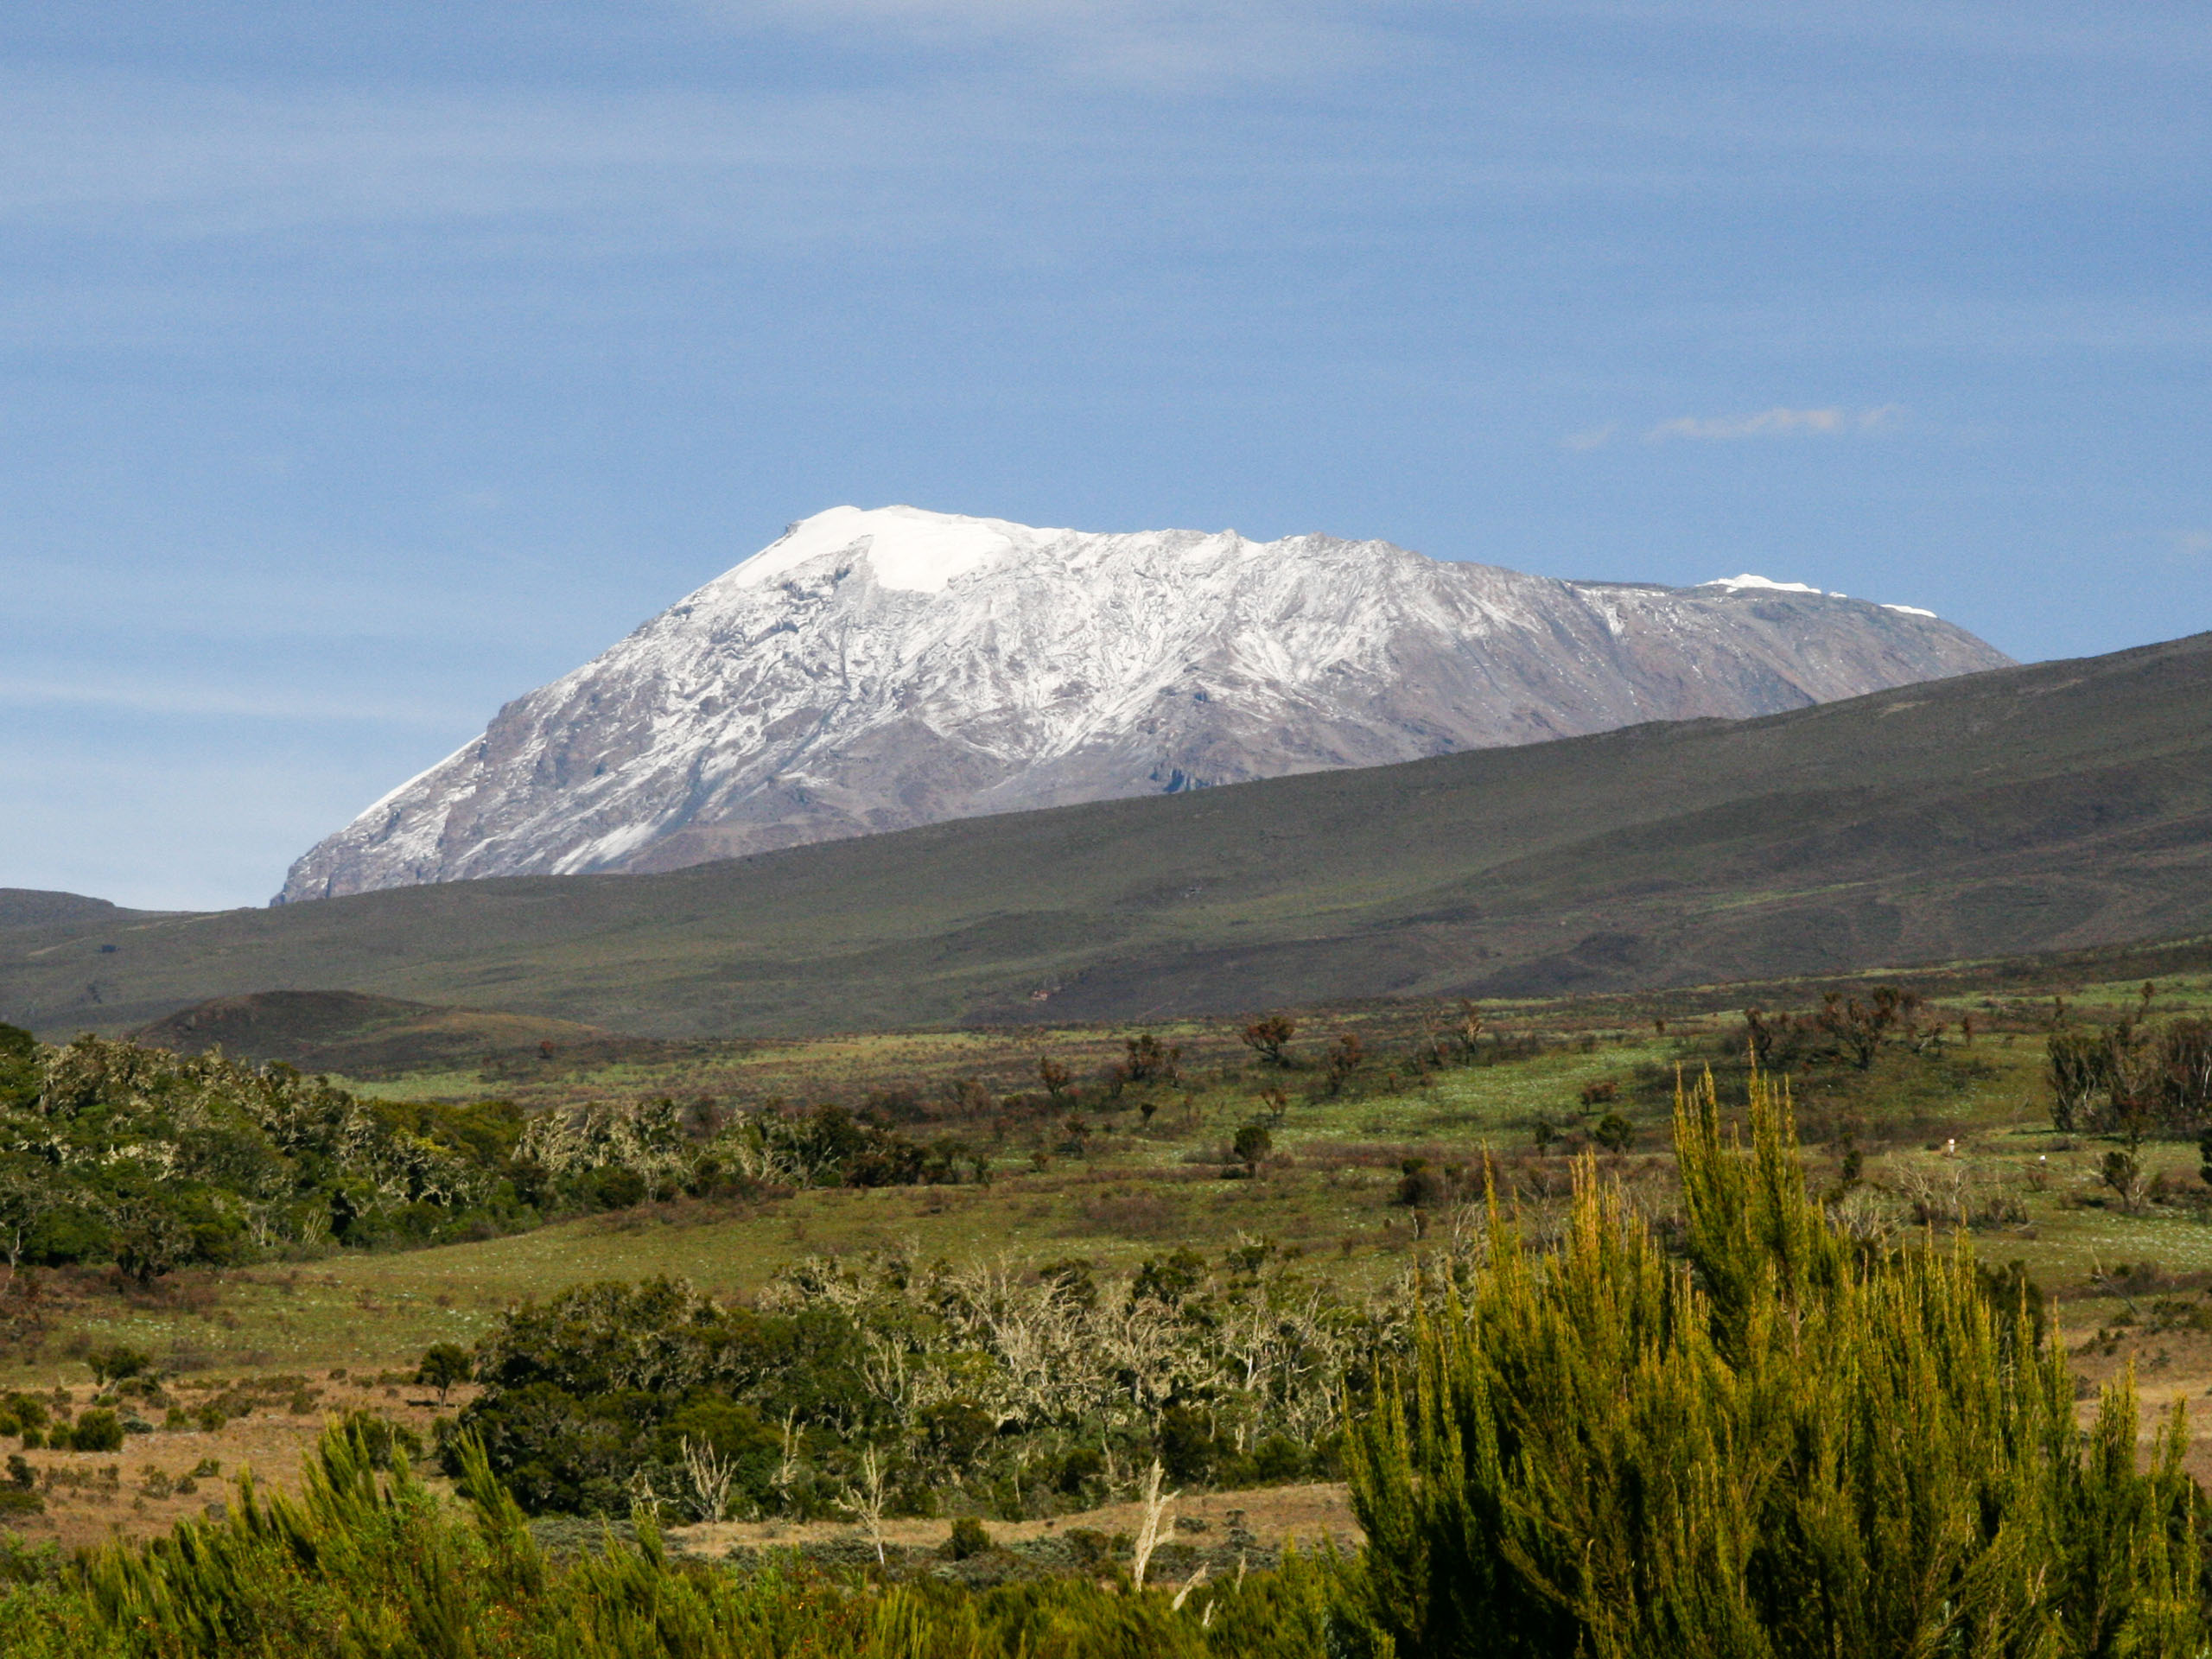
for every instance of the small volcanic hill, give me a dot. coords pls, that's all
(358, 1035)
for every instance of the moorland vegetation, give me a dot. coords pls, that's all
(1757, 1430)
(1590, 1394)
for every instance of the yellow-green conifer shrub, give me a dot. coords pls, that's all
(1776, 1443)
(369, 1564)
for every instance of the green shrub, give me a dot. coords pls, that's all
(1252, 1144)
(117, 1363)
(616, 1188)
(1782, 1444)
(387, 1445)
(1278, 1458)
(97, 1430)
(967, 1540)
(445, 1365)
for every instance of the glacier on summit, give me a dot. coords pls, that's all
(875, 670)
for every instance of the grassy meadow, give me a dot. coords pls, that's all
(1959, 1134)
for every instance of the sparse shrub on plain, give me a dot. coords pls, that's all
(1251, 1145)
(1343, 1057)
(1861, 1029)
(98, 1430)
(444, 1364)
(1419, 1184)
(117, 1363)
(1269, 1037)
(1614, 1132)
(967, 1540)
(1150, 1060)
(2079, 1065)
(2130, 1079)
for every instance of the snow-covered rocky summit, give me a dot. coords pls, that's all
(876, 669)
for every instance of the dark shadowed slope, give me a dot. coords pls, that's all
(360, 1035)
(2062, 804)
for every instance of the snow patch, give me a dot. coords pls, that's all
(905, 548)
(1912, 610)
(1736, 584)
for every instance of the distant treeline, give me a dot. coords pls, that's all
(151, 1160)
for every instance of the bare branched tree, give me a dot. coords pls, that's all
(710, 1475)
(865, 1499)
(1189, 1584)
(1148, 1534)
(786, 1473)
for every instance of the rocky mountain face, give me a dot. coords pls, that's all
(876, 669)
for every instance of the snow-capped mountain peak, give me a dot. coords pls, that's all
(904, 548)
(874, 668)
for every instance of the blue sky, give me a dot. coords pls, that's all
(364, 364)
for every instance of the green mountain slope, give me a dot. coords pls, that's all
(2047, 807)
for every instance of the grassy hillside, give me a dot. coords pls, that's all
(2054, 806)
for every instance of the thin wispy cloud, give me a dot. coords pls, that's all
(2192, 543)
(169, 163)
(1772, 423)
(1778, 423)
(195, 702)
(1162, 45)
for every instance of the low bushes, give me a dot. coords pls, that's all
(1011, 1393)
(367, 1562)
